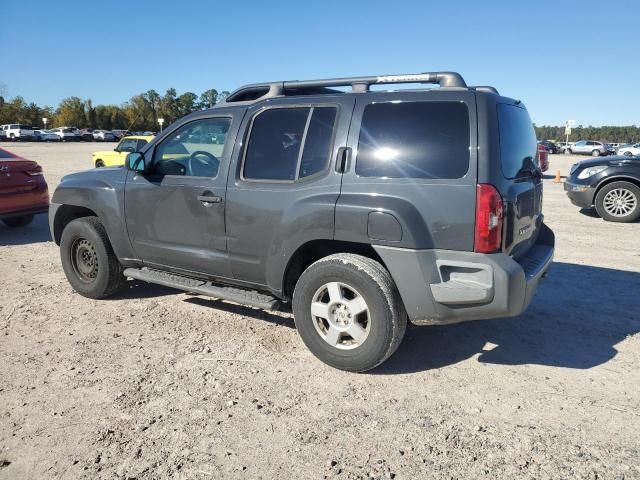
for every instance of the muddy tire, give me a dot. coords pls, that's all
(88, 260)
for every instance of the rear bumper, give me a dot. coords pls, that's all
(443, 286)
(27, 203)
(580, 195)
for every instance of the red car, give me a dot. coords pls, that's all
(23, 190)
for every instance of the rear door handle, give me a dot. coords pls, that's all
(208, 197)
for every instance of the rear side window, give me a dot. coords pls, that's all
(414, 140)
(518, 146)
(289, 143)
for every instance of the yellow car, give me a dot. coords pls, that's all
(117, 156)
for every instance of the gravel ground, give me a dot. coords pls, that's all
(160, 384)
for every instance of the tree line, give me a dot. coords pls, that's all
(630, 134)
(140, 112)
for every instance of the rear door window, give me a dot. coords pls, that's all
(414, 140)
(286, 144)
(517, 140)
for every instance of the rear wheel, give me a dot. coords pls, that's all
(619, 202)
(20, 221)
(348, 312)
(88, 261)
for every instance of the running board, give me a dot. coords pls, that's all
(203, 287)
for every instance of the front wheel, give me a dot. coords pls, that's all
(628, 154)
(99, 164)
(595, 153)
(348, 312)
(619, 202)
(21, 221)
(88, 261)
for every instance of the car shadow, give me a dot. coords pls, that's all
(575, 321)
(36, 232)
(244, 311)
(592, 213)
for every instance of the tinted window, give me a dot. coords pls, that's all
(127, 145)
(318, 142)
(193, 150)
(274, 144)
(517, 140)
(414, 140)
(141, 143)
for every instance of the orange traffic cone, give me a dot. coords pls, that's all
(557, 180)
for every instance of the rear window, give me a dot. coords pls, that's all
(518, 146)
(414, 140)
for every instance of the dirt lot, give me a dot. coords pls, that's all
(159, 384)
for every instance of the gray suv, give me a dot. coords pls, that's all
(362, 209)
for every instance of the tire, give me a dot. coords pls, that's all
(12, 137)
(99, 164)
(345, 280)
(99, 273)
(595, 153)
(21, 221)
(628, 154)
(569, 151)
(607, 204)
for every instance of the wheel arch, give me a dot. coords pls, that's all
(616, 178)
(66, 214)
(314, 250)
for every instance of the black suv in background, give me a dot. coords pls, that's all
(362, 208)
(611, 185)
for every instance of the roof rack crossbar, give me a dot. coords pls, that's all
(357, 84)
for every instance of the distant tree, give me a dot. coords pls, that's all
(70, 112)
(169, 106)
(224, 94)
(208, 98)
(187, 103)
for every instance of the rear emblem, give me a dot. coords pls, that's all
(524, 229)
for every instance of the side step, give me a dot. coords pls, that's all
(203, 287)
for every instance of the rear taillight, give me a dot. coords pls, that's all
(543, 158)
(489, 219)
(35, 171)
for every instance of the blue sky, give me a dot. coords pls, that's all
(565, 59)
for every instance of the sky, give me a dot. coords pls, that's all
(566, 59)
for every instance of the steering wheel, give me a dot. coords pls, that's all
(197, 166)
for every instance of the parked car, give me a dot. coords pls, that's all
(103, 136)
(23, 190)
(611, 185)
(361, 208)
(3, 135)
(67, 134)
(629, 149)
(86, 134)
(590, 147)
(17, 132)
(120, 133)
(45, 136)
(564, 146)
(549, 146)
(117, 156)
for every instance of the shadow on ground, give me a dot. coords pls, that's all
(36, 232)
(577, 317)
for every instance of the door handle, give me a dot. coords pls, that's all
(209, 197)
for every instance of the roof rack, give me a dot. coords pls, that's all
(261, 91)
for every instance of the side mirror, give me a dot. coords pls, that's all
(136, 162)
